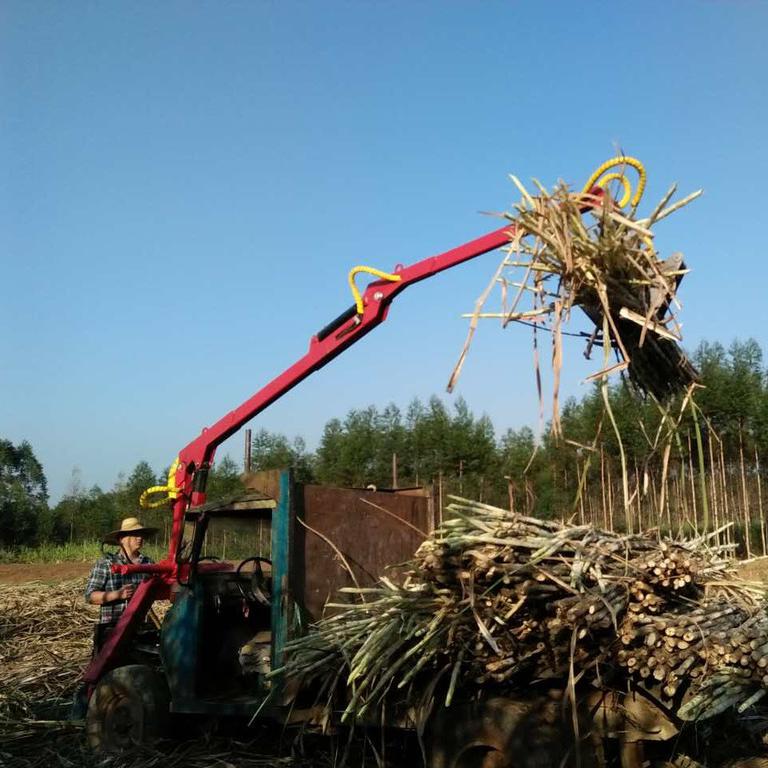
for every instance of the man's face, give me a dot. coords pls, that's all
(132, 543)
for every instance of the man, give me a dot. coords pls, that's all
(112, 591)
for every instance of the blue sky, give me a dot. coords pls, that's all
(185, 185)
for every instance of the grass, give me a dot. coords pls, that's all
(71, 552)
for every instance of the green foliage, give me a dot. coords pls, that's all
(736, 395)
(458, 450)
(274, 451)
(23, 494)
(84, 515)
(84, 551)
(433, 443)
(224, 480)
(733, 403)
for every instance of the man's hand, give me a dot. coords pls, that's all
(104, 598)
(126, 592)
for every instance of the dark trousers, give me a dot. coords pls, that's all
(101, 633)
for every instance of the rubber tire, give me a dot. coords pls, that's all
(499, 733)
(129, 706)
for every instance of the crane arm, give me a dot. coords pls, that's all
(330, 341)
(187, 480)
(189, 472)
(340, 334)
(188, 475)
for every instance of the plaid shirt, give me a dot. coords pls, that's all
(103, 580)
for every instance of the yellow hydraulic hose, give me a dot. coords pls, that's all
(170, 490)
(371, 271)
(600, 178)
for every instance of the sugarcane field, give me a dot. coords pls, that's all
(231, 536)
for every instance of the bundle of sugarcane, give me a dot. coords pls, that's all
(495, 597)
(706, 659)
(606, 264)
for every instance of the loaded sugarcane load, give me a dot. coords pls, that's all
(497, 599)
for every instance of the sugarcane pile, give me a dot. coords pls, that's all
(495, 598)
(719, 646)
(580, 249)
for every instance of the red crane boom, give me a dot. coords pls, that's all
(188, 476)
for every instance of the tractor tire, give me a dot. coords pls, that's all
(129, 706)
(502, 733)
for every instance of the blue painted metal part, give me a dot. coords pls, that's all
(282, 535)
(182, 630)
(180, 642)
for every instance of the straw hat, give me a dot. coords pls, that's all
(129, 527)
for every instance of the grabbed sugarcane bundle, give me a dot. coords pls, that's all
(589, 249)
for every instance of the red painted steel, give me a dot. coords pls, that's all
(146, 593)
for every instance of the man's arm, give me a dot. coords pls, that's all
(95, 592)
(102, 597)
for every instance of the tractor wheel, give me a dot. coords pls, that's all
(501, 733)
(129, 706)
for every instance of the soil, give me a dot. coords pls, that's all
(48, 573)
(755, 570)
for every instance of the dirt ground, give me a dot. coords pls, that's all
(48, 573)
(18, 573)
(755, 570)
(45, 643)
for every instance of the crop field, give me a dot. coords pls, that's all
(45, 643)
(86, 552)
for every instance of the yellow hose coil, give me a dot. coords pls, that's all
(170, 490)
(600, 178)
(626, 189)
(371, 271)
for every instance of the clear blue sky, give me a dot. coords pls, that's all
(184, 186)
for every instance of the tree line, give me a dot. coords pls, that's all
(621, 460)
(82, 514)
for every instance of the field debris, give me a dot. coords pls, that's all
(46, 635)
(45, 642)
(496, 599)
(580, 249)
